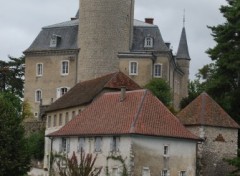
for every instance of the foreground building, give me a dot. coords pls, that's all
(101, 39)
(207, 120)
(134, 126)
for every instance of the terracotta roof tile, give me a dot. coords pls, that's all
(85, 92)
(140, 113)
(205, 111)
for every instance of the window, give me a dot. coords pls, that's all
(158, 70)
(165, 150)
(148, 43)
(55, 120)
(98, 144)
(55, 39)
(65, 145)
(81, 144)
(36, 114)
(133, 68)
(146, 171)
(165, 173)
(183, 173)
(65, 68)
(38, 96)
(60, 119)
(49, 121)
(39, 69)
(73, 114)
(115, 144)
(115, 171)
(61, 91)
(66, 118)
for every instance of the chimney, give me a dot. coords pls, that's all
(123, 94)
(149, 20)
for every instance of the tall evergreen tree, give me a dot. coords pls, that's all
(12, 75)
(225, 80)
(14, 157)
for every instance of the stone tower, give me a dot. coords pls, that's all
(183, 61)
(105, 28)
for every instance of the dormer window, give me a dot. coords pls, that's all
(148, 42)
(55, 39)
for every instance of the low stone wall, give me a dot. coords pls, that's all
(32, 126)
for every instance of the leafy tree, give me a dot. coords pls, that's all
(225, 80)
(36, 145)
(12, 75)
(236, 163)
(14, 157)
(161, 90)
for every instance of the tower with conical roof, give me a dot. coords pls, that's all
(183, 60)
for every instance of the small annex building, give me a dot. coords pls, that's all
(135, 126)
(207, 120)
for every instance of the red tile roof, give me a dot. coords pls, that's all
(85, 92)
(139, 113)
(205, 111)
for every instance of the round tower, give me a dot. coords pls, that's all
(105, 28)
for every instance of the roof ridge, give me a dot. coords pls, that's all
(113, 76)
(132, 129)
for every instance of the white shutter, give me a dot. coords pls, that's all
(68, 145)
(58, 92)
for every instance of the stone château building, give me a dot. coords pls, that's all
(103, 38)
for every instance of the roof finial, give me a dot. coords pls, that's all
(184, 19)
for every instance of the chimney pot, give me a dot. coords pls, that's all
(123, 94)
(149, 20)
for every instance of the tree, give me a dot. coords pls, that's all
(161, 90)
(15, 159)
(12, 75)
(224, 86)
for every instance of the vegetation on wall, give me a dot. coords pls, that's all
(121, 160)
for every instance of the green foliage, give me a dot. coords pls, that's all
(85, 167)
(161, 90)
(236, 163)
(26, 110)
(224, 83)
(12, 76)
(15, 159)
(36, 145)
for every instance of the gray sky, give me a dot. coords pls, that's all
(22, 20)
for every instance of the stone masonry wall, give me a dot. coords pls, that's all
(219, 143)
(105, 29)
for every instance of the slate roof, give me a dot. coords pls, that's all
(139, 113)
(182, 52)
(84, 92)
(69, 31)
(205, 111)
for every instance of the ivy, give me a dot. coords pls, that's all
(121, 160)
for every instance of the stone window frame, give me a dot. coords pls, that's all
(38, 95)
(54, 40)
(65, 67)
(146, 171)
(155, 71)
(61, 91)
(133, 68)
(115, 144)
(66, 118)
(60, 119)
(148, 42)
(81, 144)
(39, 69)
(182, 173)
(55, 120)
(165, 172)
(49, 121)
(166, 150)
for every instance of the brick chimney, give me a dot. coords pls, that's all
(123, 94)
(149, 20)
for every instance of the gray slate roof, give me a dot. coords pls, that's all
(69, 31)
(182, 52)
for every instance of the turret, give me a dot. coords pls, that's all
(183, 61)
(105, 28)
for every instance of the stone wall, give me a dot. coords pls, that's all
(219, 143)
(105, 29)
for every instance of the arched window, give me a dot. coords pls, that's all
(38, 96)
(148, 42)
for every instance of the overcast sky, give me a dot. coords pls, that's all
(22, 20)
